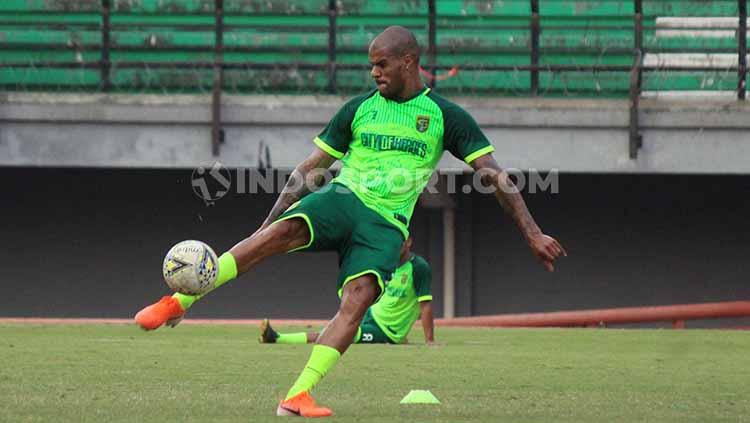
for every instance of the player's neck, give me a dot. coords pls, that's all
(412, 88)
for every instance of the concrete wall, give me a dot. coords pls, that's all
(707, 136)
(89, 242)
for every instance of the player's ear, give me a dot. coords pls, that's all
(410, 61)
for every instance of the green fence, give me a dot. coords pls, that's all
(510, 47)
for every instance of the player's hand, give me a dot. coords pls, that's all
(547, 250)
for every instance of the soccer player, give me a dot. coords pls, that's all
(407, 296)
(389, 141)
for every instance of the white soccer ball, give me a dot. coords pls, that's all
(191, 268)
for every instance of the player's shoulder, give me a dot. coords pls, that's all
(357, 101)
(450, 109)
(443, 102)
(419, 263)
(346, 113)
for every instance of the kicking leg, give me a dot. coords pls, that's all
(278, 238)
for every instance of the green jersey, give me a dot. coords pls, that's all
(398, 309)
(389, 149)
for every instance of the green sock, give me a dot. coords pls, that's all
(292, 338)
(227, 272)
(322, 359)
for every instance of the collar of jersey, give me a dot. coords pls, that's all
(424, 91)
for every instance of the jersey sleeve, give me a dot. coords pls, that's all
(462, 136)
(336, 136)
(422, 275)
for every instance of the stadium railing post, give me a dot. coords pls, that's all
(535, 47)
(742, 50)
(332, 14)
(638, 29)
(216, 137)
(635, 138)
(104, 62)
(432, 41)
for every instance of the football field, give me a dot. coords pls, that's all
(197, 373)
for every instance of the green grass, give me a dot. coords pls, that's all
(113, 373)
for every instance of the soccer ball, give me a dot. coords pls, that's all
(191, 268)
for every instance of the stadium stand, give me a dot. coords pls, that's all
(291, 46)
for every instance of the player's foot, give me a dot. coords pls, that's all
(303, 405)
(267, 334)
(166, 311)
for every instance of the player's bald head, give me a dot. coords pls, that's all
(394, 56)
(397, 41)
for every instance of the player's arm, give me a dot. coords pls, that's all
(544, 247)
(307, 177)
(428, 322)
(331, 144)
(422, 275)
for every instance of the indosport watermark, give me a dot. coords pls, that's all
(214, 182)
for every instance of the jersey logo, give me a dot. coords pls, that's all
(380, 142)
(423, 122)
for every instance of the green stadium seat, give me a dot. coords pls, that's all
(472, 36)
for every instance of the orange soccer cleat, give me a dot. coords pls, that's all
(166, 311)
(303, 405)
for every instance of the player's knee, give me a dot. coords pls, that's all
(358, 296)
(363, 289)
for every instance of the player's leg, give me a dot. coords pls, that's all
(280, 237)
(368, 332)
(368, 259)
(334, 340)
(368, 250)
(314, 223)
(357, 297)
(284, 235)
(269, 336)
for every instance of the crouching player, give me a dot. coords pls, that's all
(407, 296)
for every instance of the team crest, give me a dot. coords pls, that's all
(423, 122)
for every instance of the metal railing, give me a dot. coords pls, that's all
(218, 65)
(678, 314)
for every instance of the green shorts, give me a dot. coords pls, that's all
(339, 221)
(370, 333)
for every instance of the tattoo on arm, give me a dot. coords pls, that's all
(507, 194)
(307, 177)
